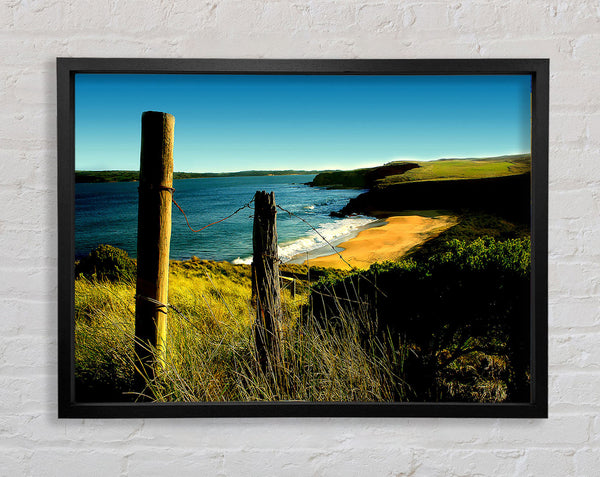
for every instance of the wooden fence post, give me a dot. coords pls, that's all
(154, 237)
(266, 290)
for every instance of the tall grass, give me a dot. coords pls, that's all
(211, 353)
(104, 340)
(463, 312)
(449, 327)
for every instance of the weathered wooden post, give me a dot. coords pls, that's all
(266, 290)
(154, 237)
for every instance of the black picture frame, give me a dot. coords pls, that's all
(67, 68)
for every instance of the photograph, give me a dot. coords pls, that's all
(302, 238)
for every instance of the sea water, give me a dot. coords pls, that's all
(106, 213)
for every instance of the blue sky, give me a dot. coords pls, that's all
(242, 122)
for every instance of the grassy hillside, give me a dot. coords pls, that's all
(457, 169)
(360, 178)
(335, 347)
(212, 354)
(417, 171)
(498, 185)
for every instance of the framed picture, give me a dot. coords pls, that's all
(332, 238)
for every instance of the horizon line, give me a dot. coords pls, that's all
(324, 168)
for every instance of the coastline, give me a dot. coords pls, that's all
(386, 239)
(326, 250)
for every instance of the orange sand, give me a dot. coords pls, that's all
(388, 242)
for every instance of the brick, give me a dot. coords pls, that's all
(576, 88)
(477, 15)
(89, 462)
(19, 51)
(393, 460)
(591, 241)
(380, 17)
(337, 434)
(25, 244)
(595, 431)
(592, 132)
(558, 431)
(577, 351)
(574, 204)
(567, 238)
(565, 128)
(20, 168)
(576, 279)
(89, 16)
(129, 18)
(576, 165)
(467, 462)
(513, 19)
(44, 15)
(584, 49)
(574, 312)
(21, 395)
(164, 460)
(33, 87)
(333, 16)
(18, 213)
(103, 432)
(432, 16)
(587, 461)
(582, 389)
(127, 47)
(557, 48)
(14, 323)
(547, 462)
(27, 354)
(15, 461)
(275, 14)
(27, 283)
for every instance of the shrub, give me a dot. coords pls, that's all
(468, 298)
(107, 263)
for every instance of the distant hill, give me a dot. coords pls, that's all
(417, 171)
(360, 178)
(459, 169)
(130, 176)
(498, 185)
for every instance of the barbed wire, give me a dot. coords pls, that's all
(354, 269)
(320, 235)
(167, 306)
(213, 223)
(291, 214)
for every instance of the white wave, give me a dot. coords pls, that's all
(309, 207)
(242, 261)
(332, 232)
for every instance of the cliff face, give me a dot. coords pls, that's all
(508, 196)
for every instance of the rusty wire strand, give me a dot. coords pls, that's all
(213, 223)
(246, 205)
(167, 306)
(354, 269)
(320, 235)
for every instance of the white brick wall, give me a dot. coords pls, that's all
(33, 33)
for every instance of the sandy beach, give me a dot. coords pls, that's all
(396, 236)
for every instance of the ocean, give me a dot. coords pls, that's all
(106, 213)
